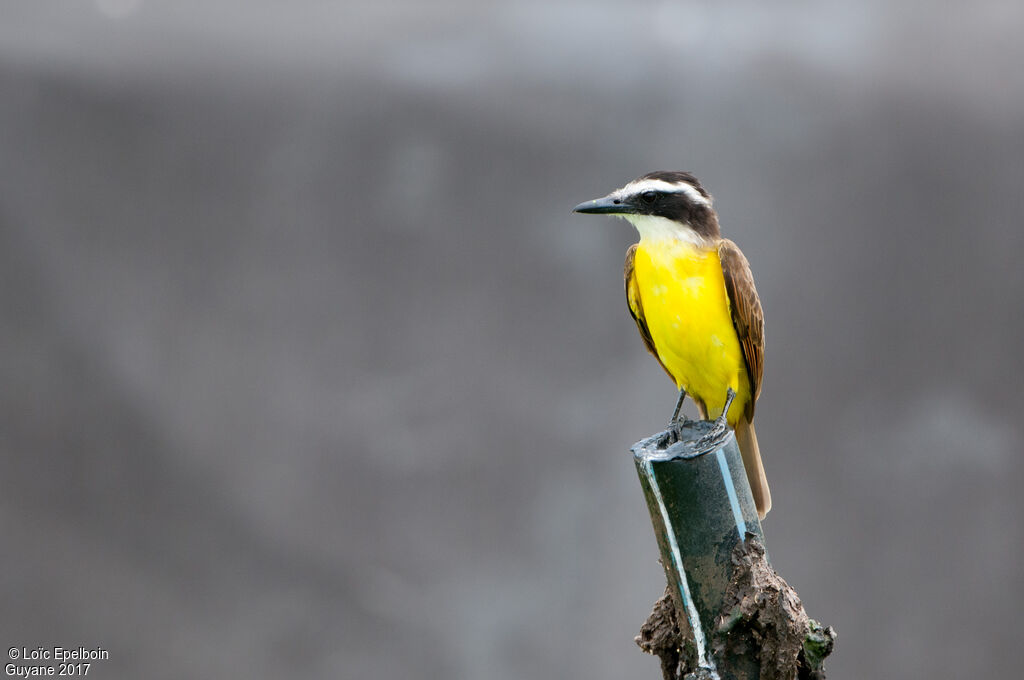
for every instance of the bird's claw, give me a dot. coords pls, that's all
(720, 424)
(719, 428)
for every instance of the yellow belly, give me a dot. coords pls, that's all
(682, 290)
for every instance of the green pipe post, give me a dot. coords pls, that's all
(701, 508)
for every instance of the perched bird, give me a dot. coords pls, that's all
(692, 296)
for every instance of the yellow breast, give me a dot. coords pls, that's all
(682, 291)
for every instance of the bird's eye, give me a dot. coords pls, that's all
(648, 196)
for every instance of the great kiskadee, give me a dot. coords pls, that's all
(692, 296)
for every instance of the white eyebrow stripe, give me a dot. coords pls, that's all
(640, 186)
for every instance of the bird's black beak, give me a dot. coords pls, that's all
(609, 205)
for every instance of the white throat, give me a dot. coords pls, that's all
(654, 228)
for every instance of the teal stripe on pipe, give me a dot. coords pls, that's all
(730, 489)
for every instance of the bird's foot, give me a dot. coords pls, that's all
(720, 424)
(718, 429)
(679, 418)
(682, 421)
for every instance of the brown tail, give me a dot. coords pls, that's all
(747, 440)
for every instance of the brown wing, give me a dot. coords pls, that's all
(747, 316)
(636, 307)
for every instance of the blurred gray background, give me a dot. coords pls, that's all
(307, 369)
